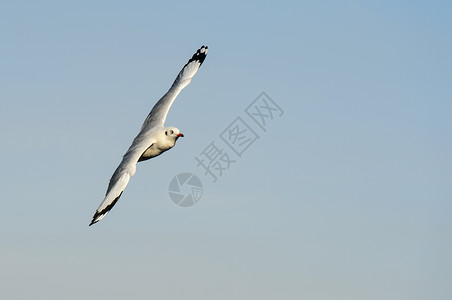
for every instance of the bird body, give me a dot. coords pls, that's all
(153, 138)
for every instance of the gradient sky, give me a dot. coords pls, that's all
(346, 196)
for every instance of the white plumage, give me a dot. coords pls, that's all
(153, 138)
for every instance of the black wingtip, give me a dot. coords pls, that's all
(95, 218)
(104, 211)
(200, 55)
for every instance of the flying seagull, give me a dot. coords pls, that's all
(153, 138)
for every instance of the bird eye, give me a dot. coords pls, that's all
(171, 132)
(166, 132)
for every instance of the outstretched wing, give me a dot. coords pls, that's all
(118, 183)
(158, 114)
(122, 174)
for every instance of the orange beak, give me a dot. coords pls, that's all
(180, 135)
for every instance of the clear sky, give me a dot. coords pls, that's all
(347, 195)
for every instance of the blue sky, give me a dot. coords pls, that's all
(346, 196)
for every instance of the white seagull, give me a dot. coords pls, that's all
(153, 138)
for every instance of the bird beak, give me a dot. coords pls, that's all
(180, 135)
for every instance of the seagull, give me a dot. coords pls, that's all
(153, 138)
